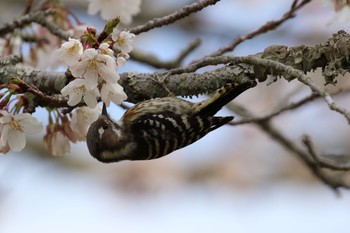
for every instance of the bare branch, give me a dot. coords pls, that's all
(276, 113)
(335, 162)
(168, 19)
(43, 100)
(269, 26)
(290, 73)
(327, 97)
(39, 17)
(288, 107)
(155, 62)
(274, 133)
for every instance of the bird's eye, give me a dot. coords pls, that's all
(105, 126)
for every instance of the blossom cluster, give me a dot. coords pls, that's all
(110, 9)
(13, 129)
(95, 70)
(92, 59)
(69, 128)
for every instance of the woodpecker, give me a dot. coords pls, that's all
(154, 128)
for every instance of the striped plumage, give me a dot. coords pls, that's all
(155, 128)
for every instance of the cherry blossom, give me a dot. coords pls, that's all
(76, 90)
(104, 49)
(123, 40)
(112, 92)
(70, 51)
(82, 119)
(110, 9)
(121, 60)
(43, 55)
(56, 141)
(95, 70)
(14, 128)
(93, 66)
(67, 129)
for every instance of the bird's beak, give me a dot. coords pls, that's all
(104, 110)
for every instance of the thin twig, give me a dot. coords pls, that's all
(171, 18)
(157, 63)
(326, 96)
(336, 162)
(43, 99)
(39, 17)
(277, 112)
(288, 107)
(274, 133)
(269, 26)
(290, 73)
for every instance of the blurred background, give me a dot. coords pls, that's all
(236, 179)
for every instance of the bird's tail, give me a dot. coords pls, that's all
(222, 96)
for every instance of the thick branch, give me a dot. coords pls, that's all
(184, 82)
(332, 56)
(138, 86)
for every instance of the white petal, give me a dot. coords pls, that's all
(78, 69)
(121, 61)
(61, 53)
(104, 92)
(91, 80)
(31, 126)
(118, 98)
(22, 116)
(109, 61)
(71, 60)
(118, 95)
(74, 98)
(90, 99)
(89, 54)
(115, 34)
(60, 144)
(4, 134)
(109, 75)
(104, 46)
(6, 118)
(67, 90)
(70, 51)
(16, 140)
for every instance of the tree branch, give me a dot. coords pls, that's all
(274, 133)
(171, 18)
(334, 162)
(184, 82)
(157, 63)
(39, 17)
(269, 26)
